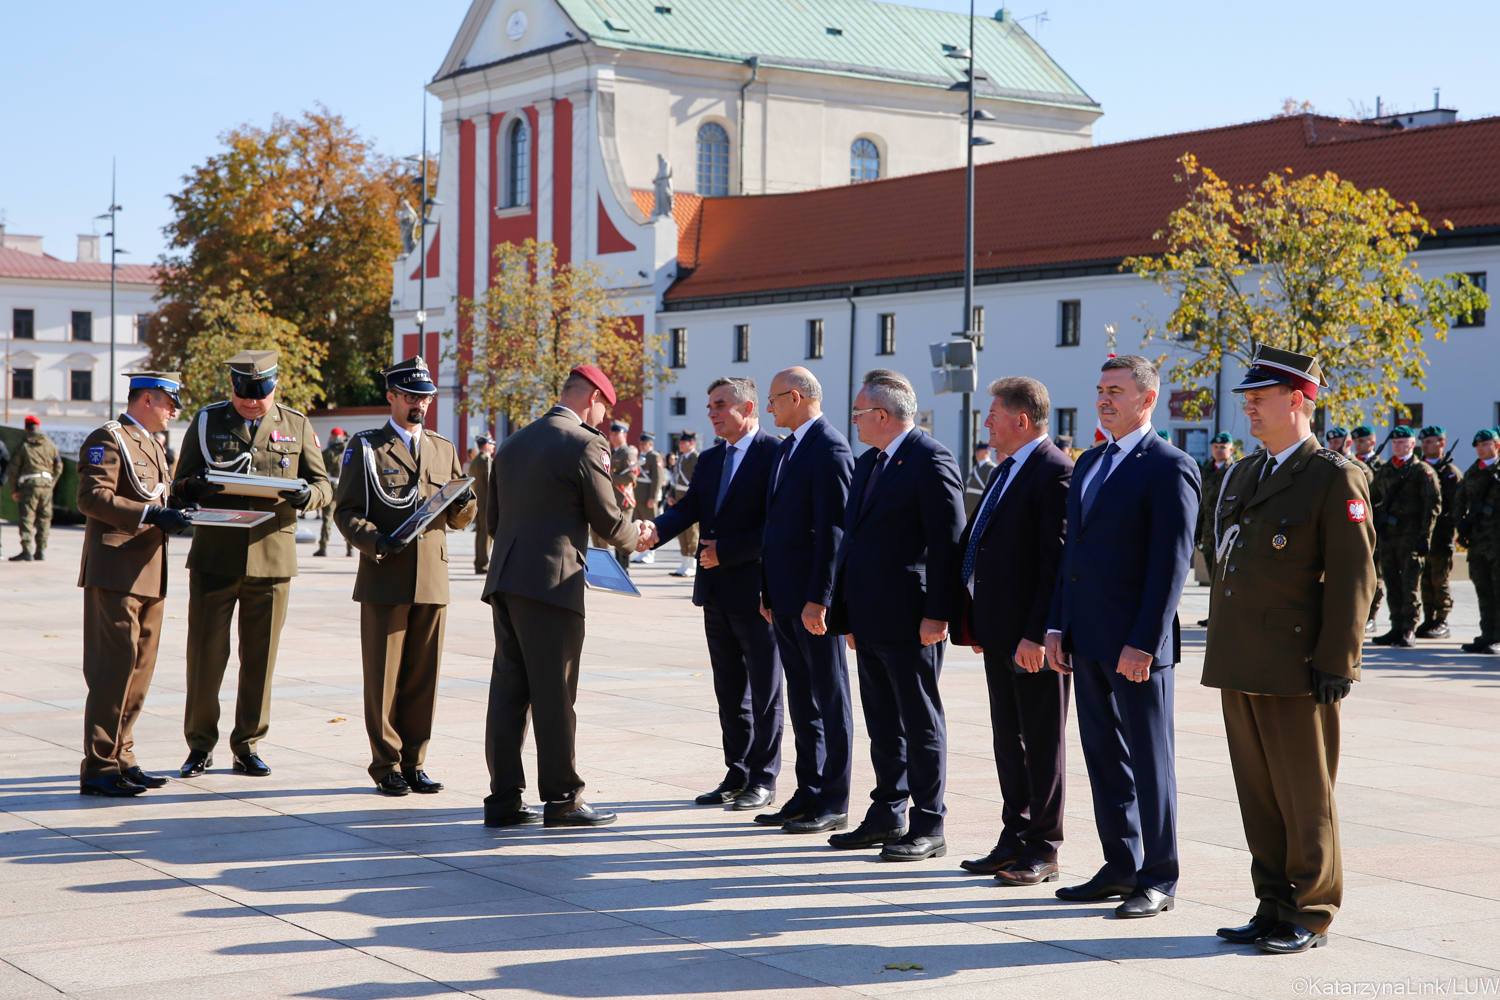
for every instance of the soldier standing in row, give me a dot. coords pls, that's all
(979, 477)
(479, 471)
(34, 474)
(1407, 498)
(1362, 443)
(123, 479)
(333, 461)
(648, 489)
(1476, 509)
(249, 568)
(1437, 598)
(624, 473)
(682, 478)
(1284, 637)
(1221, 457)
(402, 586)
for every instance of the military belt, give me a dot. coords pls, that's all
(36, 475)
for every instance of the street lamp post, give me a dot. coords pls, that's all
(114, 266)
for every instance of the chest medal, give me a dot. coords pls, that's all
(286, 463)
(1278, 543)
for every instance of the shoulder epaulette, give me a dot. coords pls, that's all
(441, 438)
(1327, 455)
(290, 410)
(376, 430)
(215, 406)
(114, 425)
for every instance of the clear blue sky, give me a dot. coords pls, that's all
(155, 84)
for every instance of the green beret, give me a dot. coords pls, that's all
(1484, 434)
(1163, 435)
(1400, 431)
(1362, 432)
(1337, 432)
(1221, 438)
(1433, 431)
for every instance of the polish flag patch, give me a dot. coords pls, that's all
(1357, 511)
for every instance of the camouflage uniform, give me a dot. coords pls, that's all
(624, 473)
(1407, 499)
(34, 473)
(1203, 536)
(333, 461)
(1477, 517)
(1437, 598)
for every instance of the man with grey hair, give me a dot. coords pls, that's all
(895, 573)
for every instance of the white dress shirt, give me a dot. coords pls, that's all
(734, 454)
(1280, 458)
(413, 440)
(1127, 444)
(797, 436)
(559, 408)
(1021, 455)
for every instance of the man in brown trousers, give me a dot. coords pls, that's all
(549, 486)
(402, 584)
(246, 568)
(123, 478)
(479, 471)
(1291, 589)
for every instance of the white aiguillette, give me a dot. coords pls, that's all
(227, 518)
(242, 485)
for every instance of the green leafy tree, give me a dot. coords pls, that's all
(1312, 265)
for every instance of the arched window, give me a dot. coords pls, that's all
(517, 164)
(864, 161)
(713, 160)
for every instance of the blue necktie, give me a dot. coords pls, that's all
(997, 485)
(724, 476)
(1092, 492)
(786, 456)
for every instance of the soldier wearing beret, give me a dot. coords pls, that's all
(1221, 457)
(624, 474)
(1286, 623)
(402, 585)
(1437, 598)
(34, 473)
(1362, 440)
(1340, 441)
(1476, 509)
(248, 568)
(1407, 499)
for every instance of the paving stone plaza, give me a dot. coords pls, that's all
(309, 884)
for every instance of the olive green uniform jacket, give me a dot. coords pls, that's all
(1407, 501)
(1295, 576)
(1476, 509)
(283, 447)
(653, 478)
(121, 471)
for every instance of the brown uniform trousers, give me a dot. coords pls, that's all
(121, 470)
(479, 470)
(403, 597)
(245, 568)
(1290, 596)
(682, 477)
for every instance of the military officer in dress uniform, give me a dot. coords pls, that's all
(251, 568)
(1286, 623)
(333, 461)
(1437, 598)
(682, 477)
(34, 474)
(479, 471)
(1407, 499)
(979, 476)
(1477, 519)
(624, 473)
(648, 488)
(402, 586)
(123, 479)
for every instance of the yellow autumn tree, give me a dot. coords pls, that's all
(537, 321)
(1312, 265)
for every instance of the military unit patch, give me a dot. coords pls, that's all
(96, 454)
(1357, 512)
(349, 453)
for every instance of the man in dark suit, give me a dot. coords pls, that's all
(804, 524)
(893, 595)
(549, 484)
(727, 500)
(1131, 509)
(1011, 548)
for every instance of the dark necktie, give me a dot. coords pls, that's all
(1270, 468)
(1092, 492)
(786, 456)
(997, 485)
(724, 475)
(864, 501)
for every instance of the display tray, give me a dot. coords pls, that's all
(431, 508)
(602, 571)
(226, 518)
(242, 485)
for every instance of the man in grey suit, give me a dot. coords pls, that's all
(549, 484)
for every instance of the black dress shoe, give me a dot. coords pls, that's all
(754, 797)
(793, 810)
(420, 783)
(821, 823)
(866, 835)
(1258, 927)
(915, 847)
(721, 796)
(1028, 872)
(1094, 890)
(997, 860)
(1144, 902)
(515, 817)
(583, 815)
(138, 777)
(393, 784)
(251, 764)
(115, 787)
(197, 762)
(1289, 939)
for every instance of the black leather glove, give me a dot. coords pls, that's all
(463, 499)
(1328, 688)
(197, 489)
(297, 498)
(385, 545)
(173, 522)
(1423, 547)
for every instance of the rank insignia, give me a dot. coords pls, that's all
(96, 454)
(1278, 543)
(1357, 511)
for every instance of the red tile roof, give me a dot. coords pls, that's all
(1096, 204)
(687, 212)
(16, 264)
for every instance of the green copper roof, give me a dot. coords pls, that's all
(858, 38)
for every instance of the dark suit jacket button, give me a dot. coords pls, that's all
(1075, 578)
(1297, 629)
(1231, 567)
(1228, 592)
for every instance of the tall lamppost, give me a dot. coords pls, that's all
(114, 267)
(426, 219)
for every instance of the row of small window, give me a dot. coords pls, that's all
(885, 343)
(713, 161)
(23, 385)
(81, 327)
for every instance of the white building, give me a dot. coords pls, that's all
(55, 315)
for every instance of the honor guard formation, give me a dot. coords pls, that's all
(1063, 569)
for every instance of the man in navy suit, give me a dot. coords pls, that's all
(804, 525)
(893, 593)
(1113, 625)
(1011, 550)
(727, 499)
